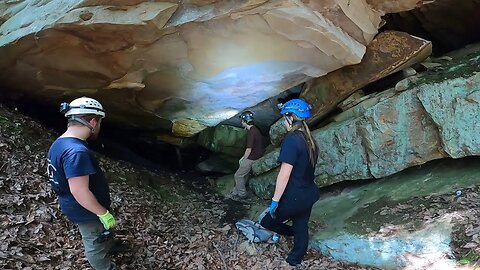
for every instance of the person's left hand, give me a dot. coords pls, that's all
(273, 208)
(107, 220)
(240, 161)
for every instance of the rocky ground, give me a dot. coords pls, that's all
(167, 226)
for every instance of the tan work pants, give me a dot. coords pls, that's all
(241, 177)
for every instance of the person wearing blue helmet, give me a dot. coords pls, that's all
(254, 150)
(295, 189)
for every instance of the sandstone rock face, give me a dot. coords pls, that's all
(178, 66)
(436, 117)
(389, 52)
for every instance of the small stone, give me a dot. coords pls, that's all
(402, 85)
(445, 58)
(430, 65)
(409, 72)
(85, 16)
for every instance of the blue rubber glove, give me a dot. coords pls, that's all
(273, 207)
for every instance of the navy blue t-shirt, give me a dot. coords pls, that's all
(70, 157)
(301, 187)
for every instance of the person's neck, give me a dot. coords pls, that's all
(79, 132)
(249, 127)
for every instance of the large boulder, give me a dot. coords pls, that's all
(177, 66)
(227, 140)
(437, 116)
(389, 52)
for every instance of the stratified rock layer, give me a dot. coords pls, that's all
(437, 116)
(387, 53)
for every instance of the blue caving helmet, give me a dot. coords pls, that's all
(247, 116)
(296, 106)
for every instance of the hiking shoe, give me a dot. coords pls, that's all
(230, 195)
(238, 198)
(293, 262)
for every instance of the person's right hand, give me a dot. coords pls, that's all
(240, 161)
(107, 220)
(273, 207)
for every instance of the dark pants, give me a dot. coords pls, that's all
(299, 230)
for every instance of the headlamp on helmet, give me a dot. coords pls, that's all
(82, 106)
(246, 116)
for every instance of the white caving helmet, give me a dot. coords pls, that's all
(82, 106)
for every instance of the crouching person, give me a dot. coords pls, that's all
(295, 189)
(78, 181)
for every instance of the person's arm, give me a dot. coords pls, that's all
(282, 180)
(81, 192)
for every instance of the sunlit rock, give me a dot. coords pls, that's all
(178, 67)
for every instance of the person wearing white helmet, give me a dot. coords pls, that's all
(75, 176)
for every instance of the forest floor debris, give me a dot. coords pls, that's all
(170, 226)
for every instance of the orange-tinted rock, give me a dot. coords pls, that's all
(177, 66)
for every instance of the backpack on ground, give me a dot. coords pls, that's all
(254, 231)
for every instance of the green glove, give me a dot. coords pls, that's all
(241, 161)
(107, 220)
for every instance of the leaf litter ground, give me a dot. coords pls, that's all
(170, 226)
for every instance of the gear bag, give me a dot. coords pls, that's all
(254, 231)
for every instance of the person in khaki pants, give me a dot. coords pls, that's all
(255, 150)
